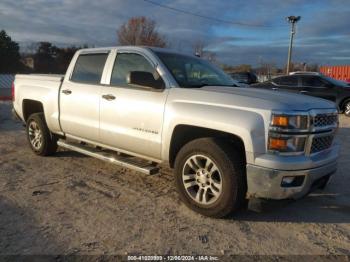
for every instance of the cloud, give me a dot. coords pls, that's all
(322, 34)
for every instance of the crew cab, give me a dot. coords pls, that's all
(313, 84)
(140, 107)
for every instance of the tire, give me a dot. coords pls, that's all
(324, 183)
(346, 108)
(41, 140)
(224, 174)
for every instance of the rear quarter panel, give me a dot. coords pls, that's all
(44, 89)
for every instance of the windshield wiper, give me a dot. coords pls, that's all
(235, 85)
(197, 86)
(202, 85)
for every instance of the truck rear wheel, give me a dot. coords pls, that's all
(210, 177)
(40, 139)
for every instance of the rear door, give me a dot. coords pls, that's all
(80, 97)
(319, 87)
(131, 116)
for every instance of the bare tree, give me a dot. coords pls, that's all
(313, 67)
(199, 50)
(211, 56)
(140, 31)
(31, 48)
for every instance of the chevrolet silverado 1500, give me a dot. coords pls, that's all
(139, 107)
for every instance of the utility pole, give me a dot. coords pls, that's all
(292, 20)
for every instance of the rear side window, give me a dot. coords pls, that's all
(88, 68)
(313, 81)
(286, 81)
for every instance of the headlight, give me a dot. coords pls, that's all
(289, 122)
(283, 132)
(287, 144)
(292, 132)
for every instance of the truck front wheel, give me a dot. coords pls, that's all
(40, 139)
(210, 177)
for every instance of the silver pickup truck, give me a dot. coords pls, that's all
(139, 107)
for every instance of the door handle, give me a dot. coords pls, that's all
(275, 88)
(66, 91)
(108, 97)
(304, 91)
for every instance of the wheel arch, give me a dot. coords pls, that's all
(30, 107)
(183, 134)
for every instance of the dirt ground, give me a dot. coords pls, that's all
(72, 204)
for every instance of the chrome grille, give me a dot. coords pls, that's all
(321, 143)
(323, 120)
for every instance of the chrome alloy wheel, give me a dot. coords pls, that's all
(347, 108)
(202, 179)
(35, 135)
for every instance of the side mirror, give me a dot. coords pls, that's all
(145, 79)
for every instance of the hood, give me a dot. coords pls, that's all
(257, 98)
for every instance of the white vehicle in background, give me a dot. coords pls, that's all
(139, 107)
(305, 73)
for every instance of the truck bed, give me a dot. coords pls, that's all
(41, 77)
(43, 89)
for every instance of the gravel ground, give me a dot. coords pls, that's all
(72, 204)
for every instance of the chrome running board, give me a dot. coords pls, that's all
(131, 162)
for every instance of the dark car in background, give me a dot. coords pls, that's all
(244, 77)
(314, 85)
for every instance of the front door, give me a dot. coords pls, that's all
(80, 98)
(287, 83)
(131, 117)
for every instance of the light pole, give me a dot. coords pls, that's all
(292, 20)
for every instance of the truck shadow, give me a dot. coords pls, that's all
(7, 123)
(21, 234)
(68, 154)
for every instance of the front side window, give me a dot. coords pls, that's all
(286, 81)
(126, 63)
(88, 68)
(192, 72)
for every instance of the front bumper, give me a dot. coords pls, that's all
(267, 183)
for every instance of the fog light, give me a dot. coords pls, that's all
(292, 181)
(278, 144)
(288, 180)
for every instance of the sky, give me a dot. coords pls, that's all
(256, 31)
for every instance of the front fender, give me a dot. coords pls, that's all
(248, 125)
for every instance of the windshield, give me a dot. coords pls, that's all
(191, 71)
(336, 82)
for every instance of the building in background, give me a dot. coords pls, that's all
(337, 72)
(28, 61)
